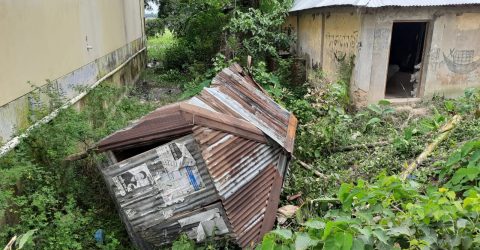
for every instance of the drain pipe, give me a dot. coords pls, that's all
(16, 140)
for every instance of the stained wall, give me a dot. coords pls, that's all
(451, 61)
(325, 37)
(452, 50)
(69, 43)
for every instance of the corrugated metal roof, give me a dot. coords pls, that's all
(252, 210)
(310, 4)
(170, 122)
(235, 93)
(237, 143)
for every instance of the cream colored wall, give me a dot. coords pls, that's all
(328, 36)
(290, 25)
(454, 34)
(46, 39)
(309, 38)
(341, 39)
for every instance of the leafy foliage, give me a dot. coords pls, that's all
(198, 27)
(59, 205)
(436, 209)
(153, 27)
(259, 30)
(388, 214)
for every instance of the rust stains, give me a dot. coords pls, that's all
(212, 165)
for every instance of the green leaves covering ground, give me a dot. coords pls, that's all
(436, 208)
(60, 205)
(360, 204)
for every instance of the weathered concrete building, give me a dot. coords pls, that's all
(402, 49)
(74, 44)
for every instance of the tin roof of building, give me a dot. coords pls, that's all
(310, 4)
(234, 103)
(241, 141)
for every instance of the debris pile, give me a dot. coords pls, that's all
(209, 166)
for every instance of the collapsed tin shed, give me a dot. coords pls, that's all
(212, 165)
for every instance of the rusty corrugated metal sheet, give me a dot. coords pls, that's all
(244, 173)
(233, 161)
(234, 93)
(175, 120)
(150, 207)
(252, 210)
(241, 142)
(310, 4)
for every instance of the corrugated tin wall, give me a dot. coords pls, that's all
(245, 175)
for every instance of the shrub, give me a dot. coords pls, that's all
(153, 27)
(259, 30)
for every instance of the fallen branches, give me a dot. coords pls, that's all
(444, 133)
(9, 246)
(309, 167)
(79, 156)
(366, 145)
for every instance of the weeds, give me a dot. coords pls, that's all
(157, 45)
(65, 204)
(436, 208)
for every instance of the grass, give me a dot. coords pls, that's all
(158, 45)
(66, 202)
(164, 79)
(157, 76)
(190, 79)
(367, 163)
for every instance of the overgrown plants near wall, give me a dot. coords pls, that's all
(358, 201)
(62, 204)
(257, 32)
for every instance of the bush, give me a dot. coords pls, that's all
(153, 27)
(259, 30)
(65, 203)
(387, 214)
(178, 56)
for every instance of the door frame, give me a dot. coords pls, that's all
(427, 42)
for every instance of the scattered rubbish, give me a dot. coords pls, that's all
(99, 236)
(286, 212)
(209, 166)
(153, 64)
(415, 79)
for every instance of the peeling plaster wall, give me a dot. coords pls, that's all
(451, 60)
(454, 56)
(341, 39)
(48, 40)
(326, 36)
(291, 26)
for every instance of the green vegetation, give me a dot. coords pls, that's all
(65, 203)
(355, 200)
(359, 202)
(202, 37)
(157, 45)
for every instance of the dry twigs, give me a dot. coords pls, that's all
(444, 133)
(309, 167)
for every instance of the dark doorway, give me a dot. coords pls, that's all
(405, 63)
